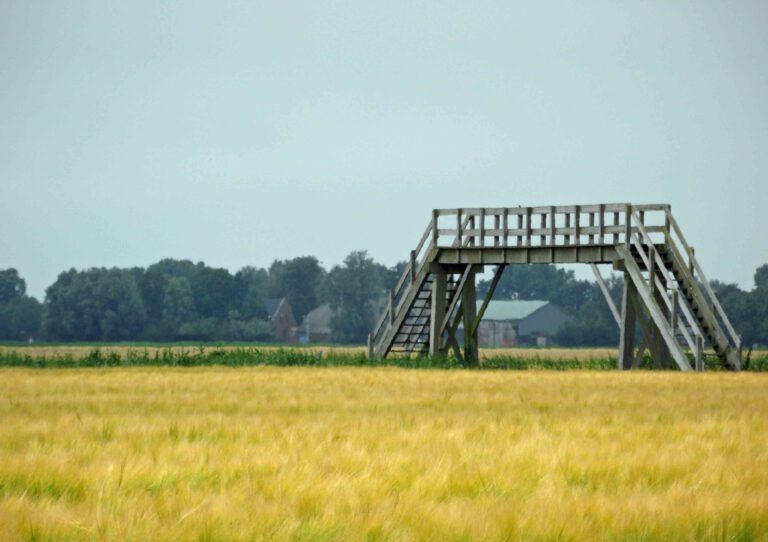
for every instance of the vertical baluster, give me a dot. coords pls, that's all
(528, 218)
(434, 227)
(552, 222)
(482, 227)
(506, 226)
(459, 220)
(577, 226)
(601, 236)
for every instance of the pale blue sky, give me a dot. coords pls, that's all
(241, 132)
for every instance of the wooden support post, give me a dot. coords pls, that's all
(370, 346)
(488, 297)
(606, 294)
(628, 322)
(437, 312)
(496, 226)
(652, 339)
(627, 226)
(391, 308)
(615, 223)
(640, 352)
(413, 266)
(659, 350)
(699, 353)
(543, 237)
(469, 311)
(567, 236)
(675, 310)
(519, 228)
(591, 225)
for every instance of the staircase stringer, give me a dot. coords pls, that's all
(653, 309)
(712, 329)
(401, 311)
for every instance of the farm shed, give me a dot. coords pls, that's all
(507, 323)
(316, 326)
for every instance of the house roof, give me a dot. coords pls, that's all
(272, 304)
(319, 319)
(510, 310)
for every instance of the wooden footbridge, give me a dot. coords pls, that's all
(666, 293)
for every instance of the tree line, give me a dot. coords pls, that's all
(178, 300)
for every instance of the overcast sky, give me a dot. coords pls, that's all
(240, 132)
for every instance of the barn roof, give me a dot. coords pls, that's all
(511, 310)
(272, 304)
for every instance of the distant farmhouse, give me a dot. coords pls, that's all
(510, 323)
(284, 327)
(316, 327)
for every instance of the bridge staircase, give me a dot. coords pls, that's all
(666, 296)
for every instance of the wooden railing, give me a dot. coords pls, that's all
(521, 227)
(675, 237)
(681, 316)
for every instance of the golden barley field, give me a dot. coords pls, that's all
(271, 453)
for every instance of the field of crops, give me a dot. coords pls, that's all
(108, 355)
(125, 350)
(308, 453)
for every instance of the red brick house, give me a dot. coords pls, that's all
(284, 327)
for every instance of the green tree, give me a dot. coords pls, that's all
(178, 302)
(20, 318)
(352, 289)
(298, 280)
(12, 286)
(94, 305)
(213, 291)
(250, 283)
(154, 281)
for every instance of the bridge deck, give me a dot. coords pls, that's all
(597, 254)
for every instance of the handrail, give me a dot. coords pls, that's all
(640, 231)
(551, 226)
(703, 278)
(401, 282)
